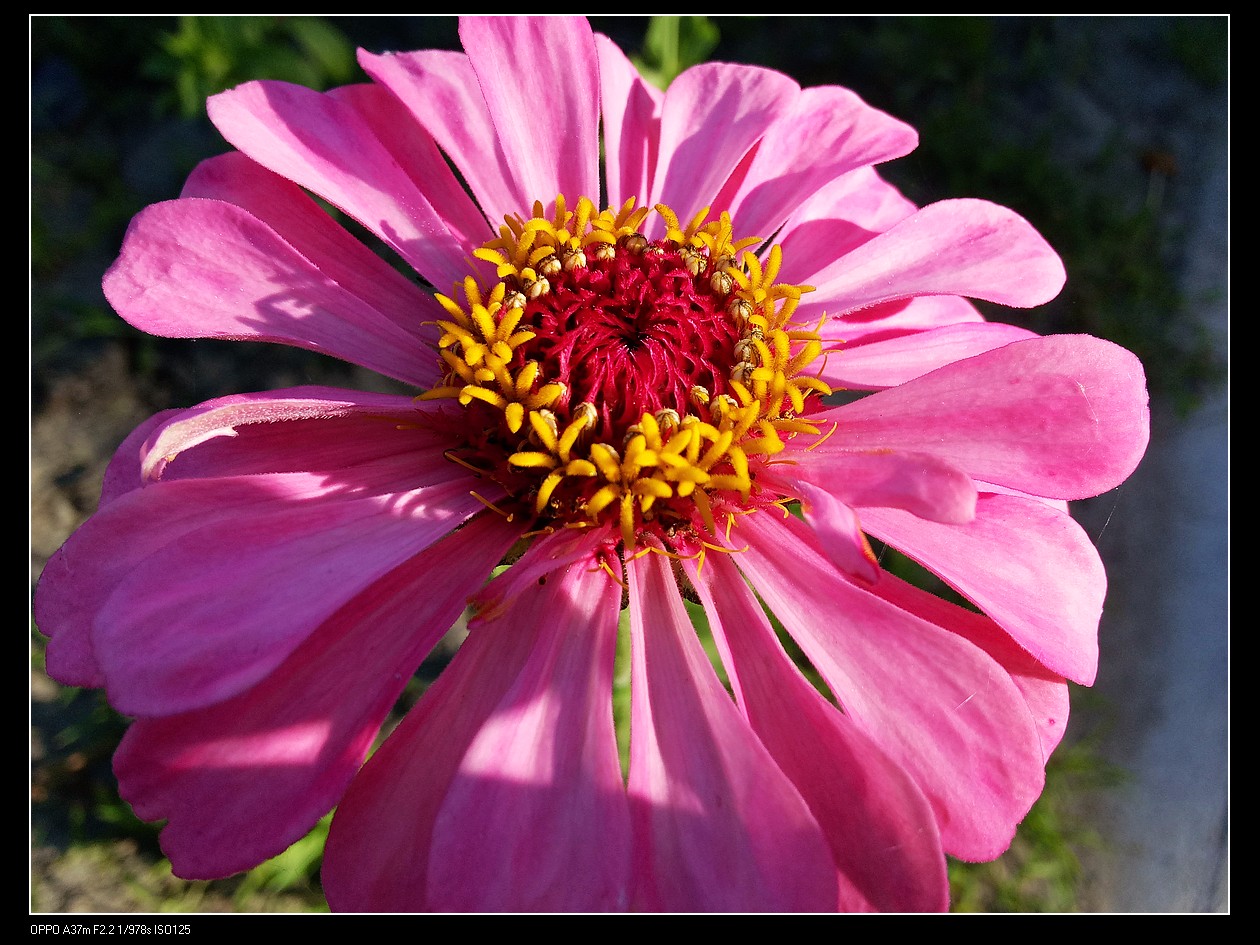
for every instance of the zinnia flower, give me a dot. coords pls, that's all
(623, 377)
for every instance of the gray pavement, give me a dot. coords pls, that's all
(1163, 715)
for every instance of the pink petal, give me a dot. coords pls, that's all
(380, 846)
(125, 470)
(326, 432)
(956, 247)
(79, 578)
(860, 196)
(919, 483)
(1046, 693)
(69, 656)
(441, 92)
(712, 116)
(69, 653)
(878, 823)
(1060, 504)
(240, 781)
(418, 154)
(322, 144)
(631, 113)
(839, 532)
(840, 217)
(540, 80)
(828, 132)
(536, 817)
(1028, 566)
(890, 319)
(195, 268)
(888, 362)
(304, 225)
(831, 484)
(1062, 417)
(559, 553)
(302, 429)
(939, 706)
(501, 790)
(262, 569)
(718, 826)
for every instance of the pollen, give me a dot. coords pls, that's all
(606, 377)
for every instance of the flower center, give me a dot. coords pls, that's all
(609, 376)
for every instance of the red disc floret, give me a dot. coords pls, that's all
(630, 335)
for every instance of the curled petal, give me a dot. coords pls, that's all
(126, 470)
(228, 437)
(839, 532)
(302, 429)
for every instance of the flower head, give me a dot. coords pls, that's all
(626, 396)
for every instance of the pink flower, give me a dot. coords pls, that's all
(628, 404)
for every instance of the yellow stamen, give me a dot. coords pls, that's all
(675, 460)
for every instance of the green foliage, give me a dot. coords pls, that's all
(294, 870)
(207, 54)
(1201, 45)
(621, 691)
(1041, 871)
(673, 44)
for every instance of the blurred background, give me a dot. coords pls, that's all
(1109, 134)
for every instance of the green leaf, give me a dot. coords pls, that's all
(674, 44)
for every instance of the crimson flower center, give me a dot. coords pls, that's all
(631, 334)
(609, 376)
